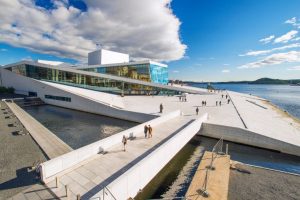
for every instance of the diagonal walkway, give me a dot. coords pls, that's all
(49, 143)
(92, 176)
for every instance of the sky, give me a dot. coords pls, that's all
(200, 40)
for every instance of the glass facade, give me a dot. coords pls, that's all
(86, 81)
(144, 72)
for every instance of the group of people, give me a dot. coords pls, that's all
(182, 98)
(218, 102)
(226, 96)
(147, 131)
(203, 103)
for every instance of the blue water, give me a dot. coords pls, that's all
(284, 96)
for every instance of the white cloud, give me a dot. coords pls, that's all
(3, 50)
(293, 21)
(225, 71)
(175, 71)
(267, 39)
(264, 52)
(286, 37)
(279, 58)
(226, 64)
(144, 28)
(295, 68)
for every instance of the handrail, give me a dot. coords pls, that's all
(105, 187)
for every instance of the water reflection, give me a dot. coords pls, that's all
(77, 128)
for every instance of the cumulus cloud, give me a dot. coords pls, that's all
(144, 28)
(295, 68)
(286, 37)
(263, 52)
(225, 71)
(267, 39)
(278, 58)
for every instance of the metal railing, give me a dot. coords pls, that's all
(217, 150)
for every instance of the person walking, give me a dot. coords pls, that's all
(145, 130)
(149, 131)
(216, 103)
(197, 110)
(124, 141)
(220, 103)
(161, 108)
(222, 96)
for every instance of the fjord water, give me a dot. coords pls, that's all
(286, 97)
(77, 128)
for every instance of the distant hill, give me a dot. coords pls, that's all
(258, 81)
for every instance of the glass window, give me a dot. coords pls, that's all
(158, 75)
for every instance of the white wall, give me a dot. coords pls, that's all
(135, 179)
(101, 97)
(248, 137)
(103, 56)
(24, 84)
(59, 165)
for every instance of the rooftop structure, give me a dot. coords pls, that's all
(102, 56)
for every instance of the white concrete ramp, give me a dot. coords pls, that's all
(122, 174)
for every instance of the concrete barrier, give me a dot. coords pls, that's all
(247, 137)
(138, 176)
(62, 164)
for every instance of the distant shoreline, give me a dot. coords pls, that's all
(262, 81)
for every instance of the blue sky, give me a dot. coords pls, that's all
(202, 40)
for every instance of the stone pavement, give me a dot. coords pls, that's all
(48, 141)
(18, 153)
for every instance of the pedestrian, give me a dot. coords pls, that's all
(161, 108)
(228, 101)
(124, 141)
(216, 103)
(205, 103)
(202, 103)
(179, 98)
(222, 96)
(149, 131)
(220, 103)
(226, 96)
(197, 110)
(145, 130)
(185, 99)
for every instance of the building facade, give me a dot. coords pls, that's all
(148, 71)
(123, 79)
